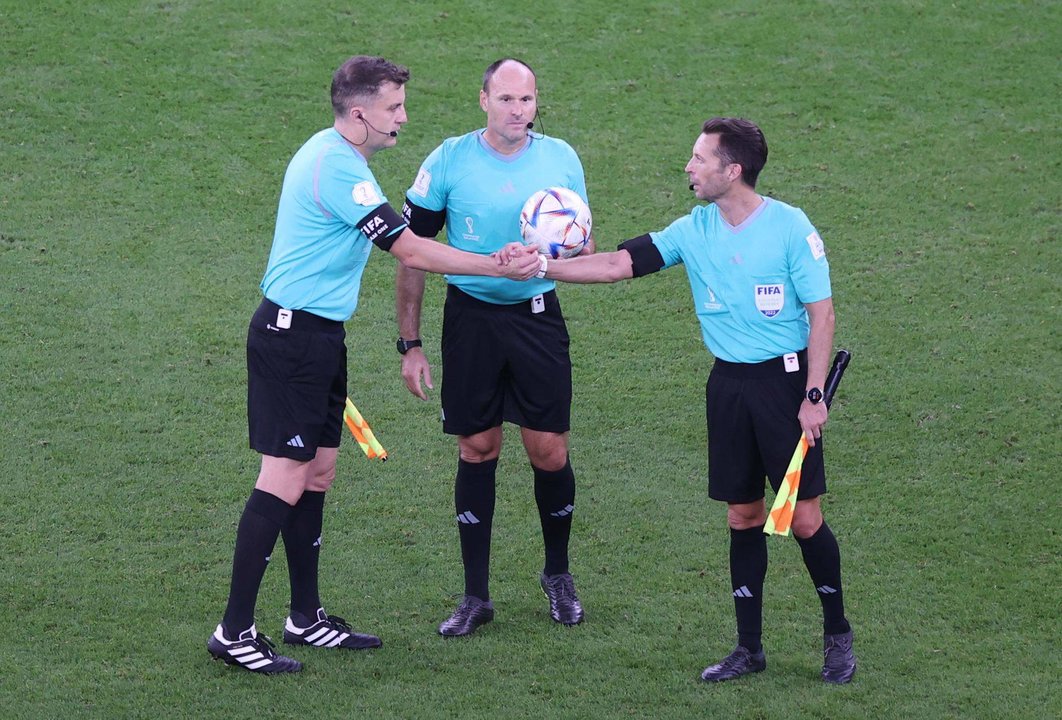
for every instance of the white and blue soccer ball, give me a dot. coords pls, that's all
(557, 221)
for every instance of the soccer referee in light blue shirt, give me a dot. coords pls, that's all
(504, 344)
(331, 212)
(761, 288)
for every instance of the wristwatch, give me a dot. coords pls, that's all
(405, 345)
(814, 396)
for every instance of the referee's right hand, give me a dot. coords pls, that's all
(812, 419)
(517, 261)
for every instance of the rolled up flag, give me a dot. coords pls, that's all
(363, 433)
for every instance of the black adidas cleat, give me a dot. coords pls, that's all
(329, 631)
(251, 651)
(469, 615)
(564, 606)
(738, 663)
(838, 660)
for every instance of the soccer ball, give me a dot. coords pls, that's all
(557, 221)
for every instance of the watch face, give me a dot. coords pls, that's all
(815, 396)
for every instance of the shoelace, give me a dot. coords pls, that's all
(733, 661)
(563, 588)
(339, 622)
(270, 647)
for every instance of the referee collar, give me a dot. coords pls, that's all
(494, 153)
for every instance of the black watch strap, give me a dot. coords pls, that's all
(405, 345)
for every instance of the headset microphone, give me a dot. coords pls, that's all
(393, 133)
(691, 187)
(530, 125)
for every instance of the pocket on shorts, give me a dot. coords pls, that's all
(274, 355)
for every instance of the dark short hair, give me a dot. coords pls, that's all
(493, 68)
(361, 77)
(741, 142)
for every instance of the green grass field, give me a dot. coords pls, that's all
(142, 146)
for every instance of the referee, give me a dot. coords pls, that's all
(331, 212)
(761, 289)
(504, 344)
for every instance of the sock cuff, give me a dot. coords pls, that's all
(487, 468)
(311, 501)
(823, 533)
(478, 468)
(551, 475)
(269, 506)
(748, 535)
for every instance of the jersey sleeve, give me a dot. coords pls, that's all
(428, 190)
(382, 226)
(671, 239)
(808, 266)
(425, 206)
(346, 190)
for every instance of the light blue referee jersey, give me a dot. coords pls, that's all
(483, 192)
(319, 254)
(750, 283)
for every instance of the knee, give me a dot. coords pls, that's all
(550, 461)
(746, 515)
(322, 481)
(807, 518)
(545, 450)
(478, 454)
(481, 447)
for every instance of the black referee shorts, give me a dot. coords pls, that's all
(753, 430)
(504, 362)
(296, 382)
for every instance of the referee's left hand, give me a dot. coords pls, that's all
(812, 419)
(414, 367)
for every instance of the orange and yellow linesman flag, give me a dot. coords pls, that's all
(363, 433)
(780, 518)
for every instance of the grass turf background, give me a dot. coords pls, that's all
(143, 144)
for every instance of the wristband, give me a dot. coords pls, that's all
(543, 266)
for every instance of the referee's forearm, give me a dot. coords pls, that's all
(597, 268)
(820, 341)
(420, 253)
(409, 297)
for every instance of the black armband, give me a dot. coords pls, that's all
(382, 226)
(423, 222)
(645, 258)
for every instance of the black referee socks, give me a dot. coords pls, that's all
(302, 547)
(555, 496)
(474, 494)
(748, 568)
(823, 560)
(263, 516)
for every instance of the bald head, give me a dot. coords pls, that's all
(512, 68)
